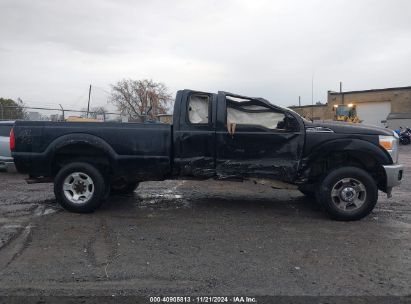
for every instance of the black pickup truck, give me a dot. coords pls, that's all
(221, 136)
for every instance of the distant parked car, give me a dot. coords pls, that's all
(6, 161)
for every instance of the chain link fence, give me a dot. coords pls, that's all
(12, 113)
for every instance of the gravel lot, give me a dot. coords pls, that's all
(185, 238)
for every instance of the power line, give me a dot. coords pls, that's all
(101, 89)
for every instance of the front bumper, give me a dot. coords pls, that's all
(394, 175)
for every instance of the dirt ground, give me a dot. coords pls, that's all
(200, 238)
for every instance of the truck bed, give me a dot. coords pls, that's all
(133, 147)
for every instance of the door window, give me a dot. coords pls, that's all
(248, 112)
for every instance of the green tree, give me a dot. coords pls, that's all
(12, 110)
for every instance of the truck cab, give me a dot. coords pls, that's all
(229, 136)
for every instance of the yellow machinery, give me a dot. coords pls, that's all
(346, 113)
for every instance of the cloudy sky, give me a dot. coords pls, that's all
(50, 51)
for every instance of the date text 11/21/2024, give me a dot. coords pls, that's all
(203, 299)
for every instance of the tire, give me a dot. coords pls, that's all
(79, 187)
(125, 188)
(348, 193)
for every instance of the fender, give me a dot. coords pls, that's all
(84, 139)
(40, 163)
(348, 145)
(81, 138)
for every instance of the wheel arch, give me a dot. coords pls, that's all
(81, 147)
(351, 152)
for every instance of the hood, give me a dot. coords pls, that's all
(350, 128)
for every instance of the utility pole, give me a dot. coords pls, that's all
(88, 105)
(62, 111)
(299, 101)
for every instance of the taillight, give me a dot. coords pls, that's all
(12, 140)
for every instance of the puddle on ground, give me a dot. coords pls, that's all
(167, 197)
(15, 218)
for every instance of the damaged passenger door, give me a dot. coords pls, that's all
(194, 135)
(256, 139)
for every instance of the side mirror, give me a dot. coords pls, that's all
(290, 124)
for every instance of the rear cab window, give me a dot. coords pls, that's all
(198, 109)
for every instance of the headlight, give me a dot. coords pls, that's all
(390, 143)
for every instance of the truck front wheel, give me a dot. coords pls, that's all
(79, 187)
(348, 193)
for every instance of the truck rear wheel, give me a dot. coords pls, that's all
(348, 193)
(79, 187)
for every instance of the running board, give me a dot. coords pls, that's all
(274, 183)
(38, 180)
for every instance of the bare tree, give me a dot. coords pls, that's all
(98, 111)
(95, 112)
(140, 98)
